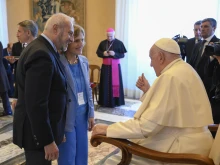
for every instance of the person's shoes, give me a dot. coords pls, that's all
(7, 113)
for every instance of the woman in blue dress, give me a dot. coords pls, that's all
(80, 108)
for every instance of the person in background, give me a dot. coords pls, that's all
(17, 49)
(181, 40)
(10, 77)
(7, 51)
(15, 53)
(7, 54)
(214, 93)
(4, 86)
(80, 108)
(192, 41)
(199, 60)
(111, 92)
(39, 117)
(9, 67)
(27, 32)
(164, 122)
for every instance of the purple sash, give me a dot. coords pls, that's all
(115, 74)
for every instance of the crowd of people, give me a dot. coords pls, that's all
(48, 78)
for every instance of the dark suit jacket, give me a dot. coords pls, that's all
(5, 52)
(39, 117)
(4, 84)
(16, 49)
(202, 66)
(189, 48)
(9, 69)
(214, 94)
(8, 66)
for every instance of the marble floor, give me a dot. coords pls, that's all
(12, 155)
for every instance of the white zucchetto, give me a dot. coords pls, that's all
(168, 45)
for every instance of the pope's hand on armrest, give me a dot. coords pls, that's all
(100, 129)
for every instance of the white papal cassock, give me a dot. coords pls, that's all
(173, 117)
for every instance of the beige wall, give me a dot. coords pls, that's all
(100, 14)
(17, 11)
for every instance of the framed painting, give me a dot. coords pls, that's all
(42, 9)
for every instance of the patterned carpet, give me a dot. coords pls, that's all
(128, 109)
(10, 154)
(105, 150)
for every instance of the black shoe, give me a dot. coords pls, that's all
(7, 113)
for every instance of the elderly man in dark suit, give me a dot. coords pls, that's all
(39, 117)
(192, 41)
(4, 85)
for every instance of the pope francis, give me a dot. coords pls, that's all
(174, 113)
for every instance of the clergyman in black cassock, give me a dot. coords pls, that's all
(111, 50)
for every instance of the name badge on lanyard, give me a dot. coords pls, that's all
(80, 98)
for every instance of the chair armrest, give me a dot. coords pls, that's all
(128, 148)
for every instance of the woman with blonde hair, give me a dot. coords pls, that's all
(80, 108)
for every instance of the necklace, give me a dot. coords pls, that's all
(74, 62)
